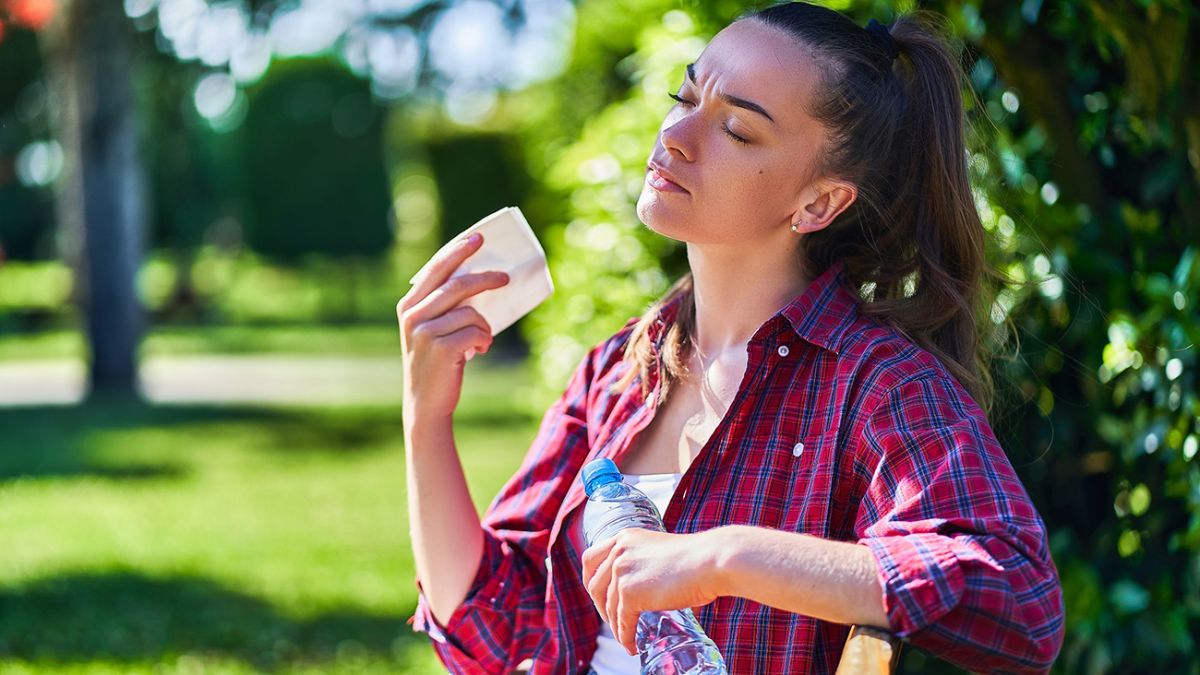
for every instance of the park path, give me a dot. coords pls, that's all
(265, 379)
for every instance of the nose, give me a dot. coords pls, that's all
(675, 138)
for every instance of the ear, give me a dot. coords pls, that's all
(821, 203)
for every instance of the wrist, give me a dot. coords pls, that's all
(414, 411)
(422, 429)
(724, 551)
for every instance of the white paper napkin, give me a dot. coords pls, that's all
(509, 245)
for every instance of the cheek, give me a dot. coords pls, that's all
(736, 184)
(751, 188)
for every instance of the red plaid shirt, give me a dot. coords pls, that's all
(841, 429)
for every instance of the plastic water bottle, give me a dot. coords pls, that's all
(669, 643)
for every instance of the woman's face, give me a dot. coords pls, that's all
(734, 191)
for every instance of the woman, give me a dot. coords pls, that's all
(806, 404)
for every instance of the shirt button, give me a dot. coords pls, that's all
(783, 350)
(797, 449)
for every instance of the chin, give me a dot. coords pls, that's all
(660, 217)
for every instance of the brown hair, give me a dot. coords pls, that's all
(912, 242)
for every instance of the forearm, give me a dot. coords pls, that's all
(829, 580)
(447, 537)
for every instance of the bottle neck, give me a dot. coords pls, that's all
(598, 482)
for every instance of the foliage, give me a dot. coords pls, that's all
(1093, 159)
(606, 265)
(26, 209)
(476, 174)
(312, 164)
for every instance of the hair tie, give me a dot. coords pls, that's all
(880, 34)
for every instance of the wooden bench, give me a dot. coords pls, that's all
(869, 651)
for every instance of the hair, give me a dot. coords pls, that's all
(912, 243)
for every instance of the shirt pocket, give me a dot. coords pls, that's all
(755, 485)
(810, 485)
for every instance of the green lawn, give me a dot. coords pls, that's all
(216, 539)
(358, 340)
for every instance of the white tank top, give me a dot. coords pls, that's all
(610, 657)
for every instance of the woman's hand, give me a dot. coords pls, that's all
(436, 335)
(640, 570)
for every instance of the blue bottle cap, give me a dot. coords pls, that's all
(599, 472)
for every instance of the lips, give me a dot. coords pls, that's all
(663, 180)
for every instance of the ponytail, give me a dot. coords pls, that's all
(933, 282)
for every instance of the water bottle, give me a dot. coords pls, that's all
(669, 643)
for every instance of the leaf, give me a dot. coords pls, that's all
(1184, 269)
(1129, 597)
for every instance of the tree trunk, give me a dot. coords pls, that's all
(101, 199)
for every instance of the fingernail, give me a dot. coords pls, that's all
(474, 239)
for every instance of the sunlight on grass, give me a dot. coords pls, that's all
(209, 539)
(358, 340)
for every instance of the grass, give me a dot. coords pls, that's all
(43, 345)
(223, 539)
(358, 340)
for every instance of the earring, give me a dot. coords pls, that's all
(796, 227)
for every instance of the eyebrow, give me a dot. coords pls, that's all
(733, 100)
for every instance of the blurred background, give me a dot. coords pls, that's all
(208, 210)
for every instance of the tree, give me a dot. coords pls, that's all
(101, 199)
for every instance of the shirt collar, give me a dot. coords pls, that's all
(820, 315)
(825, 310)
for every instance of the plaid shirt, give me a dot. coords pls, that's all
(841, 429)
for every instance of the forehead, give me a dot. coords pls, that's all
(754, 61)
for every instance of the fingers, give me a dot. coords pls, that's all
(466, 342)
(456, 342)
(613, 602)
(450, 294)
(455, 319)
(598, 588)
(593, 556)
(602, 578)
(443, 301)
(626, 629)
(442, 265)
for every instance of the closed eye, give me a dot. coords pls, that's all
(724, 127)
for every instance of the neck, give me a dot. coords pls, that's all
(737, 289)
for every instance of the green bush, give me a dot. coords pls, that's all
(313, 165)
(607, 266)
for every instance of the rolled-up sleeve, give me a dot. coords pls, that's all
(962, 554)
(501, 620)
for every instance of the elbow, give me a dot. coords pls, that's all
(441, 610)
(1045, 617)
(1038, 629)
(1008, 631)
(1038, 657)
